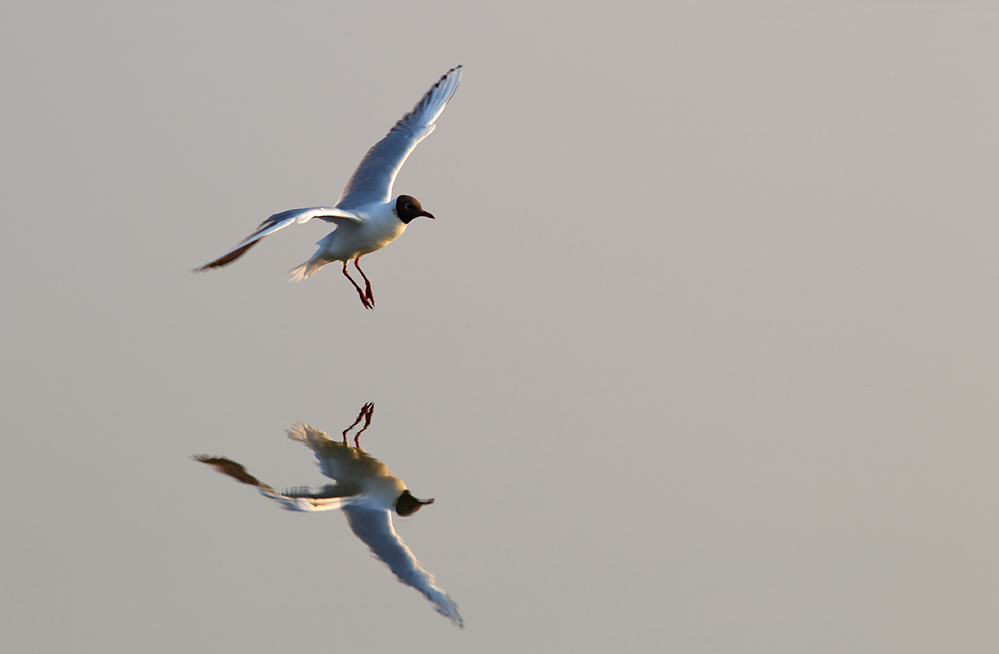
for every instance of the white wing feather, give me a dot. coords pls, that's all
(373, 178)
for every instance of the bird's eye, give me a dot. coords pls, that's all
(409, 206)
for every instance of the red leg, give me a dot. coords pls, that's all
(364, 300)
(367, 284)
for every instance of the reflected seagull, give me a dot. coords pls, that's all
(366, 217)
(367, 493)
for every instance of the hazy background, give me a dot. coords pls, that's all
(699, 356)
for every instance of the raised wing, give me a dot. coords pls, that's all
(375, 529)
(331, 496)
(280, 221)
(372, 180)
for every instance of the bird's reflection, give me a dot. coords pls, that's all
(366, 491)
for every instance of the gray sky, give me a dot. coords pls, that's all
(699, 356)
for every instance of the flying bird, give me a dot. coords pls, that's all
(367, 493)
(366, 216)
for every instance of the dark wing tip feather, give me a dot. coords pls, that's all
(226, 258)
(403, 123)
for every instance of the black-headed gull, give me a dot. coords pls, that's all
(366, 216)
(367, 493)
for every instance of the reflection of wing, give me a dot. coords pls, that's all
(331, 496)
(276, 222)
(373, 178)
(375, 529)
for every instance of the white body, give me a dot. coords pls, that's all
(374, 227)
(361, 479)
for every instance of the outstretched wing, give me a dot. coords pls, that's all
(372, 180)
(280, 221)
(329, 497)
(374, 527)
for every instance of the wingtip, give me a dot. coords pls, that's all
(455, 71)
(446, 606)
(451, 612)
(213, 265)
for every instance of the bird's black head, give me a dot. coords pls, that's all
(408, 505)
(407, 207)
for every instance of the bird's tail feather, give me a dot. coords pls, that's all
(307, 269)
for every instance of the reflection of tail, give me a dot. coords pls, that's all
(312, 437)
(307, 269)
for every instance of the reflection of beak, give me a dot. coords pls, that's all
(431, 217)
(407, 504)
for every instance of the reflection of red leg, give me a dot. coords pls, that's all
(367, 411)
(364, 300)
(367, 284)
(370, 407)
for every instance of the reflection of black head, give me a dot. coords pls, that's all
(407, 207)
(408, 505)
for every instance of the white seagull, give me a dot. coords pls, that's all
(367, 493)
(366, 216)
